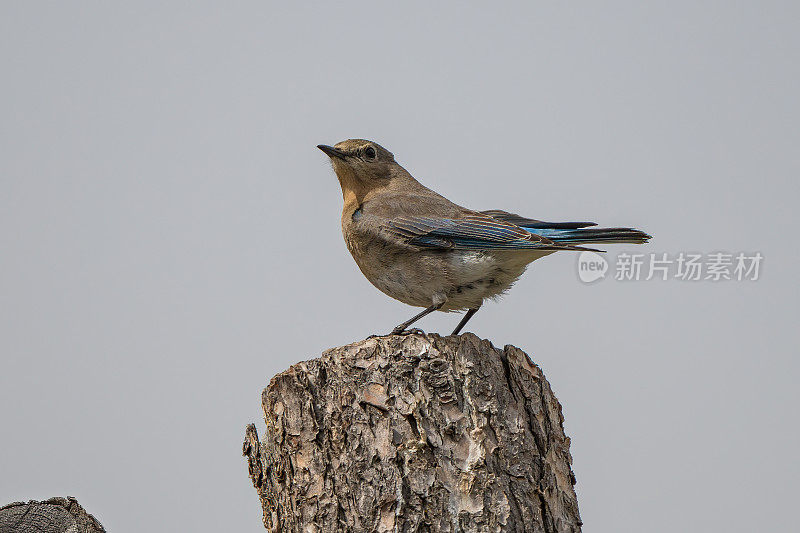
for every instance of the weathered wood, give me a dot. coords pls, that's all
(413, 433)
(56, 515)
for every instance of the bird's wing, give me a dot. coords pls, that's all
(572, 232)
(523, 222)
(477, 231)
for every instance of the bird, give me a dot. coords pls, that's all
(420, 248)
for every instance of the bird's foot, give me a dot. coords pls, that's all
(397, 331)
(403, 331)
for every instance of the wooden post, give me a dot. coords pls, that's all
(413, 433)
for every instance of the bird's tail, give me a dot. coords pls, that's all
(574, 236)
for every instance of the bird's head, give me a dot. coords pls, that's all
(361, 165)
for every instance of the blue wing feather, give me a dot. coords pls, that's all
(475, 232)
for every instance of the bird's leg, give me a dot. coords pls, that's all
(464, 320)
(402, 327)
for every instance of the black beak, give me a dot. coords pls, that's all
(331, 151)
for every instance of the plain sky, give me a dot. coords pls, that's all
(169, 236)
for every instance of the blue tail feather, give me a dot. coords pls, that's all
(592, 235)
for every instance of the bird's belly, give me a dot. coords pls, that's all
(417, 290)
(481, 275)
(418, 277)
(413, 279)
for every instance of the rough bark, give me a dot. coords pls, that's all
(413, 433)
(56, 515)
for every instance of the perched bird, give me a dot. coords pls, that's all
(422, 249)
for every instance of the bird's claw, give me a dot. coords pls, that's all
(402, 331)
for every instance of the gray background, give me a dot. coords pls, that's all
(169, 236)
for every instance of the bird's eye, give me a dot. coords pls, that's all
(369, 152)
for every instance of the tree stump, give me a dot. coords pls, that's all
(413, 433)
(56, 515)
